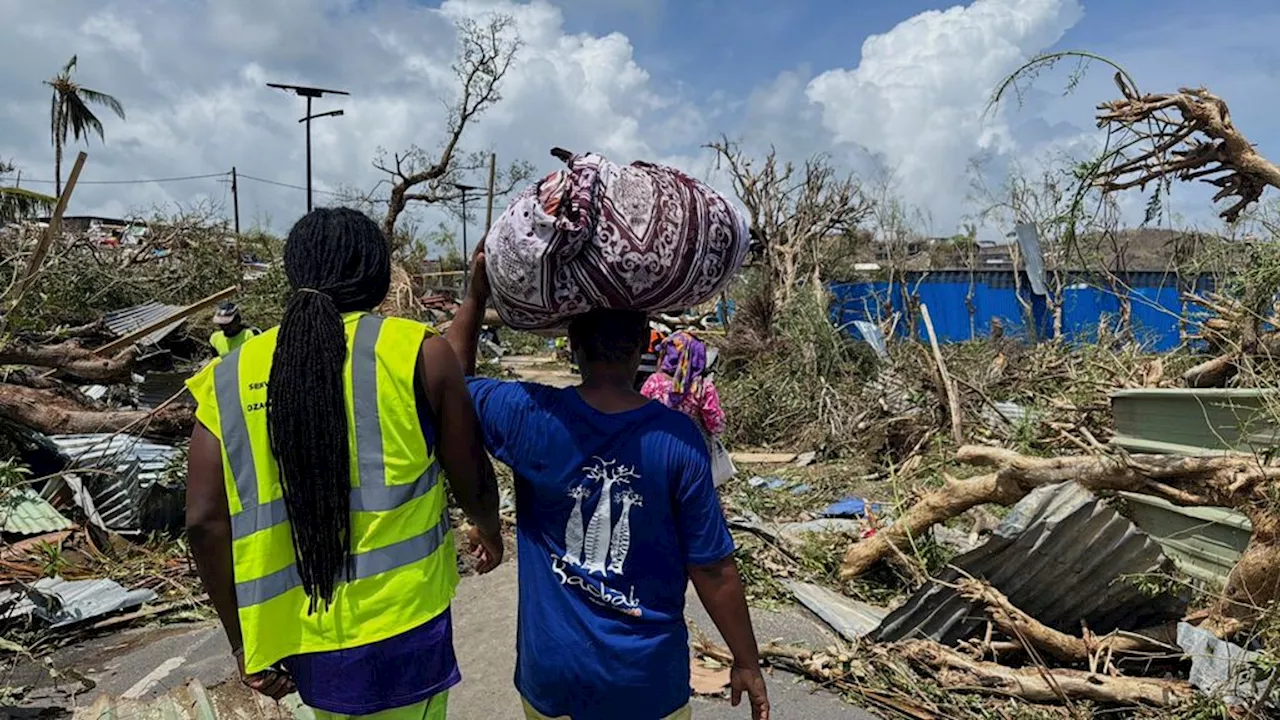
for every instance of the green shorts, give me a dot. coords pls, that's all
(433, 708)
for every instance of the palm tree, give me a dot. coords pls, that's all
(70, 114)
(19, 203)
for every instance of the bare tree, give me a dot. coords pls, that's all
(1187, 135)
(485, 54)
(795, 212)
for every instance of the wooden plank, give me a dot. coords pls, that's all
(752, 458)
(948, 385)
(183, 314)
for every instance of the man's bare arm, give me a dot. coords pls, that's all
(460, 446)
(464, 334)
(720, 588)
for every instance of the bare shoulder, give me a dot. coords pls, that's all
(435, 348)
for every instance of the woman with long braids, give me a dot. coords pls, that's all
(315, 507)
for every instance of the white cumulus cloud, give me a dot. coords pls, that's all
(191, 76)
(917, 98)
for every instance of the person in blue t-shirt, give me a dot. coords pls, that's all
(617, 513)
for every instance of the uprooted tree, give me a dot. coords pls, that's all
(796, 213)
(1187, 135)
(485, 55)
(1243, 483)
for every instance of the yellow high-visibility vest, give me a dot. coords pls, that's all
(224, 344)
(403, 560)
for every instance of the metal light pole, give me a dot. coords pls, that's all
(466, 255)
(310, 93)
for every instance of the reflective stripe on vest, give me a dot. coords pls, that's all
(371, 495)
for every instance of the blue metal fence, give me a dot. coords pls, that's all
(964, 304)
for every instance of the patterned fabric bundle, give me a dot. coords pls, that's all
(599, 235)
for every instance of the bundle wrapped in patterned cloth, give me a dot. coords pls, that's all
(600, 235)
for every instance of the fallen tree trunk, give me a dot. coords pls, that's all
(73, 360)
(1058, 645)
(1238, 482)
(1042, 685)
(52, 414)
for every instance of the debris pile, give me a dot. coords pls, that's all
(94, 419)
(1084, 594)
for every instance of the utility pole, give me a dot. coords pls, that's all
(235, 199)
(310, 93)
(466, 254)
(493, 175)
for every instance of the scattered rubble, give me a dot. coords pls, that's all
(194, 702)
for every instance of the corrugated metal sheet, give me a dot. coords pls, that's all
(1032, 258)
(123, 322)
(1204, 421)
(60, 603)
(851, 619)
(24, 512)
(128, 497)
(1205, 542)
(1060, 556)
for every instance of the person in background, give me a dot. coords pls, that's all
(231, 332)
(325, 547)
(680, 384)
(617, 514)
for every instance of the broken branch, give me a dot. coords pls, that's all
(1042, 685)
(1059, 645)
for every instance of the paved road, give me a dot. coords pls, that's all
(484, 614)
(147, 663)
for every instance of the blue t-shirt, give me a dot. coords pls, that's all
(612, 508)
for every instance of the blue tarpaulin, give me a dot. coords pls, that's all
(964, 304)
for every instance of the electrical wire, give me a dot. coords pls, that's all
(184, 178)
(291, 187)
(137, 182)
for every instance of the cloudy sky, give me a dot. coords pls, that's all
(883, 86)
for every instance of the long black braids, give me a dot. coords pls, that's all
(337, 261)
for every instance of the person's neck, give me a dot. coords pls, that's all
(610, 390)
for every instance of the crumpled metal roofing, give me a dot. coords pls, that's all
(123, 322)
(1061, 556)
(24, 512)
(1223, 669)
(60, 602)
(129, 492)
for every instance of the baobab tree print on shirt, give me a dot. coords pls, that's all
(573, 532)
(621, 542)
(601, 548)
